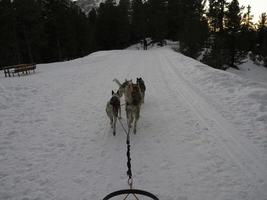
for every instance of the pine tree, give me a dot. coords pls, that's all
(123, 23)
(216, 14)
(157, 19)
(92, 17)
(247, 19)
(195, 28)
(247, 37)
(226, 46)
(138, 21)
(233, 27)
(66, 30)
(9, 44)
(218, 54)
(217, 51)
(175, 18)
(262, 37)
(107, 25)
(55, 28)
(29, 26)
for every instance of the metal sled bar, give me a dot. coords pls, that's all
(130, 191)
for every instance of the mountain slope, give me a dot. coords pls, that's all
(202, 133)
(87, 5)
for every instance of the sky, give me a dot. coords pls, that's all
(257, 7)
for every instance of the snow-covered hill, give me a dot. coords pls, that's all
(87, 5)
(202, 133)
(252, 71)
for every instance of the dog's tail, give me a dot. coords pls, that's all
(117, 81)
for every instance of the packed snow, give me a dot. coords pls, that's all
(202, 134)
(252, 71)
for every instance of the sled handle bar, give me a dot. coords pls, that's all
(130, 191)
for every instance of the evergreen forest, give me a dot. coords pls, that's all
(221, 32)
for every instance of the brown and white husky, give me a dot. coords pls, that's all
(133, 101)
(133, 106)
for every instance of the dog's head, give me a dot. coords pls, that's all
(139, 80)
(141, 83)
(126, 82)
(115, 99)
(124, 86)
(115, 102)
(116, 94)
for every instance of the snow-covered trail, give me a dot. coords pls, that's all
(195, 137)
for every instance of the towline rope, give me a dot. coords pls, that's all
(129, 173)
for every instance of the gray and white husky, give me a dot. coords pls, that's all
(142, 86)
(113, 110)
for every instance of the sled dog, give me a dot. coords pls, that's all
(133, 100)
(142, 86)
(113, 110)
(122, 88)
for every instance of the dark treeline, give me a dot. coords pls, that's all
(54, 30)
(42, 31)
(232, 35)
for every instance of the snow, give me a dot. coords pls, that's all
(202, 133)
(251, 71)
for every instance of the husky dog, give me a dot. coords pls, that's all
(142, 86)
(122, 86)
(133, 100)
(113, 110)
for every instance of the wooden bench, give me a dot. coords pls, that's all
(17, 69)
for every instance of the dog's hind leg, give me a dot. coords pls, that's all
(136, 117)
(135, 122)
(143, 97)
(109, 114)
(114, 125)
(119, 113)
(111, 122)
(129, 115)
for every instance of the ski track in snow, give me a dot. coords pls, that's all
(196, 139)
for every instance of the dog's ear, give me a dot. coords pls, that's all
(112, 92)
